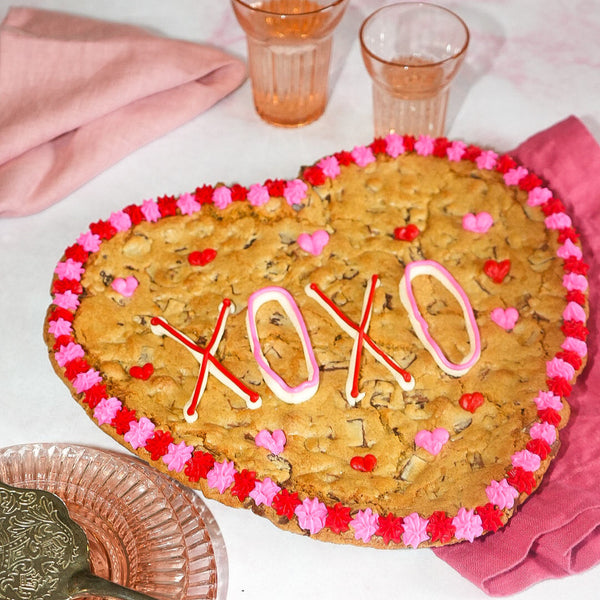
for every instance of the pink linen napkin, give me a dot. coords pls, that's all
(79, 94)
(557, 531)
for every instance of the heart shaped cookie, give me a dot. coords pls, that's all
(314, 364)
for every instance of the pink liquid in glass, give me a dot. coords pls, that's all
(289, 57)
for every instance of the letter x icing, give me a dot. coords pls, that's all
(208, 362)
(361, 339)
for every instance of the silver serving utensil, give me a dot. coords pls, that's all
(44, 554)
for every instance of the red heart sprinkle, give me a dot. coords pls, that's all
(199, 258)
(495, 270)
(471, 402)
(143, 373)
(407, 233)
(363, 463)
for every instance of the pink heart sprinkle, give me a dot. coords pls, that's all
(313, 244)
(125, 287)
(432, 441)
(478, 223)
(273, 442)
(506, 318)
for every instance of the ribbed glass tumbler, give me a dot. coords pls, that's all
(412, 51)
(289, 52)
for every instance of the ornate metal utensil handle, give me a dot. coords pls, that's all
(44, 554)
(86, 584)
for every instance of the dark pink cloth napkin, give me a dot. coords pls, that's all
(557, 531)
(79, 94)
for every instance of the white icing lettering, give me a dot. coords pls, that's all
(208, 362)
(308, 388)
(361, 339)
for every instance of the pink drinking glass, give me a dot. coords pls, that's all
(289, 51)
(412, 51)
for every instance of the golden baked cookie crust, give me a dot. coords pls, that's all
(380, 213)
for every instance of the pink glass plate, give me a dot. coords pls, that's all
(145, 530)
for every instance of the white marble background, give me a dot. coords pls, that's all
(531, 63)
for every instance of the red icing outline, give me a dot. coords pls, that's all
(207, 357)
(364, 337)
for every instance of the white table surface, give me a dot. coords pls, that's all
(531, 63)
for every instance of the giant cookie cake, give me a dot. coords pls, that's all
(379, 352)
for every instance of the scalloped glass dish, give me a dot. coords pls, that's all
(145, 530)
